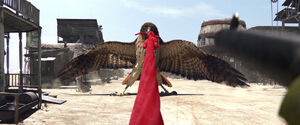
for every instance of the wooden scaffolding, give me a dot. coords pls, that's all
(290, 14)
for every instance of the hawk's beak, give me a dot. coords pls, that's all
(148, 29)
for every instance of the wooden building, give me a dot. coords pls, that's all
(18, 16)
(53, 58)
(75, 36)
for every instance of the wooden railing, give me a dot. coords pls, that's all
(14, 79)
(25, 8)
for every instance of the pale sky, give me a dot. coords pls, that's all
(121, 19)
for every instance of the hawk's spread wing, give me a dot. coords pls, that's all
(104, 55)
(184, 58)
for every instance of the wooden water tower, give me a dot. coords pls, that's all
(211, 27)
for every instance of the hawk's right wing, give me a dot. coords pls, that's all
(105, 55)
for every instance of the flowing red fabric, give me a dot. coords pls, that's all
(146, 109)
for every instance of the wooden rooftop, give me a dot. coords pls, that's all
(287, 3)
(19, 16)
(72, 30)
(288, 15)
(290, 3)
(73, 27)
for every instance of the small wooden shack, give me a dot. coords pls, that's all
(84, 31)
(53, 58)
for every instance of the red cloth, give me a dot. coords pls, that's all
(146, 109)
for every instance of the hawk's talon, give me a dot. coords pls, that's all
(119, 94)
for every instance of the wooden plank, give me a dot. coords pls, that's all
(8, 94)
(68, 87)
(2, 74)
(50, 99)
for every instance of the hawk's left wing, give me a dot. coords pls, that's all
(184, 58)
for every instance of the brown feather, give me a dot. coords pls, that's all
(104, 55)
(184, 57)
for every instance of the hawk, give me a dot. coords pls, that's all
(178, 57)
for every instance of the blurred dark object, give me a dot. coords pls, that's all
(273, 54)
(290, 107)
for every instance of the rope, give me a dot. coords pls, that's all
(272, 14)
(277, 20)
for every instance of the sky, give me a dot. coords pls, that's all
(121, 19)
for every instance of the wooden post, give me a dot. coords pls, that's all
(17, 6)
(21, 63)
(16, 103)
(283, 26)
(39, 67)
(2, 74)
(7, 60)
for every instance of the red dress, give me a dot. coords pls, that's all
(146, 109)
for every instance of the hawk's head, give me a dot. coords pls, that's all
(148, 26)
